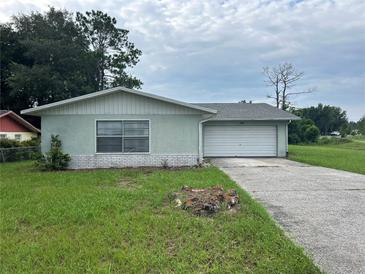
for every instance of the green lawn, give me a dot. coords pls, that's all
(348, 156)
(121, 221)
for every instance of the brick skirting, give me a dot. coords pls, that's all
(131, 160)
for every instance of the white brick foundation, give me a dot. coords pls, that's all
(131, 160)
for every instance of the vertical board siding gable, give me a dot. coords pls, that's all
(121, 103)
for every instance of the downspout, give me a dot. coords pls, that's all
(287, 139)
(201, 138)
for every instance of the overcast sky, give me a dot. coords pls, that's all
(214, 51)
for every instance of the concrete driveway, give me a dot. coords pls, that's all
(322, 209)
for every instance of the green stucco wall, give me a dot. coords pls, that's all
(175, 134)
(170, 134)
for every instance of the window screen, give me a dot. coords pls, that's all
(125, 136)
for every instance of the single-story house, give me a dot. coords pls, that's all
(14, 127)
(121, 127)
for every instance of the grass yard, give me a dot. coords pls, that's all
(120, 221)
(347, 156)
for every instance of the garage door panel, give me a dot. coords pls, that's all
(240, 141)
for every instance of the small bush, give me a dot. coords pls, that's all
(333, 141)
(293, 138)
(311, 134)
(324, 141)
(302, 131)
(35, 141)
(165, 164)
(7, 143)
(342, 141)
(54, 159)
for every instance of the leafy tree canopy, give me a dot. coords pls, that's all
(111, 49)
(52, 56)
(302, 131)
(326, 118)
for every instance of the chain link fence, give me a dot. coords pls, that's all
(13, 154)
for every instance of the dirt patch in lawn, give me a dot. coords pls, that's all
(205, 201)
(128, 183)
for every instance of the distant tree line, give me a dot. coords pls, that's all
(326, 119)
(51, 56)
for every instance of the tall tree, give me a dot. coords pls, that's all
(46, 57)
(283, 78)
(11, 52)
(53, 63)
(361, 125)
(111, 49)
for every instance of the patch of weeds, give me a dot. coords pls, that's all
(128, 183)
(165, 164)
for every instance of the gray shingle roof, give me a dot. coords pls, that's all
(246, 111)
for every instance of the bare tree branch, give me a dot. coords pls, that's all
(273, 79)
(310, 90)
(299, 92)
(283, 78)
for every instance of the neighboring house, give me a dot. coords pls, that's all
(12, 126)
(123, 127)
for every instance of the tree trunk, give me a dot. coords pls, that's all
(277, 92)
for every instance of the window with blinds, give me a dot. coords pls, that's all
(124, 136)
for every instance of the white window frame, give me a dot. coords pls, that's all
(3, 136)
(122, 153)
(20, 137)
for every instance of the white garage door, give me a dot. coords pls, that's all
(240, 140)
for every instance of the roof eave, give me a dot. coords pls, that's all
(254, 119)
